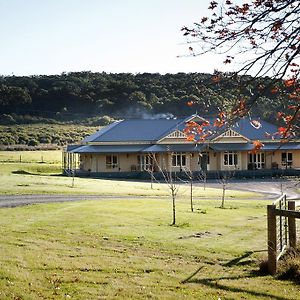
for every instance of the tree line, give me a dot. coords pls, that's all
(81, 95)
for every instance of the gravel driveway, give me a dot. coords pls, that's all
(271, 189)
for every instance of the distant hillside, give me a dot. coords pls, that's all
(41, 136)
(96, 98)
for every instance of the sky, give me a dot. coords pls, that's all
(43, 37)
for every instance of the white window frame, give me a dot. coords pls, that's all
(288, 161)
(232, 159)
(178, 159)
(144, 162)
(111, 161)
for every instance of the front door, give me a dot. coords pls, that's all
(204, 161)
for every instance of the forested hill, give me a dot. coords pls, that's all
(78, 96)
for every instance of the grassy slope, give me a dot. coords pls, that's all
(127, 249)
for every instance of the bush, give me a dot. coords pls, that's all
(289, 266)
(32, 142)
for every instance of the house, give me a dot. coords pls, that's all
(138, 145)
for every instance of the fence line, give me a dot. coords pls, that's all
(282, 217)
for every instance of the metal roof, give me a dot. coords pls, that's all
(231, 147)
(282, 146)
(136, 130)
(244, 127)
(155, 129)
(175, 148)
(109, 149)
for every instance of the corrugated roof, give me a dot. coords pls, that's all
(137, 130)
(231, 146)
(152, 130)
(100, 132)
(109, 149)
(282, 146)
(245, 128)
(175, 148)
(70, 148)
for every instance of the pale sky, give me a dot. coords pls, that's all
(136, 36)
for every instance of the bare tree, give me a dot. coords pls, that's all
(171, 181)
(224, 180)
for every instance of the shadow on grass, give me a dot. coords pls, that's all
(214, 282)
(239, 260)
(23, 172)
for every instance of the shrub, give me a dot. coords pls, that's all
(32, 142)
(289, 266)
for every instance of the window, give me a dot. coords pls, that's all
(287, 159)
(256, 161)
(144, 162)
(178, 159)
(230, 158)
(111, 161)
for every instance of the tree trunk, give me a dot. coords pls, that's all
(174, 208)
(223, 196)
(192, 208)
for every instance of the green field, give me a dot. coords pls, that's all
(126, 248)
(40, 173)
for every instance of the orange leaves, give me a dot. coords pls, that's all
(241, 109)
(294, 96)
(289, 82)
(197, 132)
(220, 120)
(190, 138)
(216, 78)
(282, 130)
(257, 145)
(275, 90)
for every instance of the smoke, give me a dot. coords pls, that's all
(138, 112)
(158, 116)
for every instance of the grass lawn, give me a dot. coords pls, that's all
(40, 173)
(126, 248)
(120, 249)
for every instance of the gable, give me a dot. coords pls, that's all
(195, 118)
(231, 136)
(174, 137)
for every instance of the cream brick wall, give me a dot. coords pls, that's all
(276, 157)
(97, 162)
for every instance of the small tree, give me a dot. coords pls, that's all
(171, 181)
(224, 180)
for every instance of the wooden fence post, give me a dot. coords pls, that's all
(292, 225)
(272, 240)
